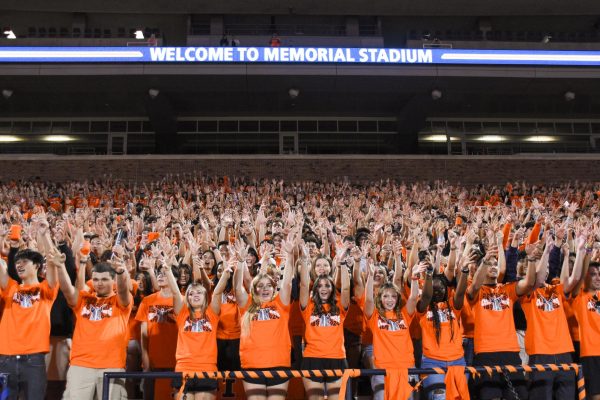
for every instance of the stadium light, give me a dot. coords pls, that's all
(491, 138)
(58, 138)
(153, 93)
(293, 93)
(10, 139)
(439, 138)
(546, 39)
(436, 94)
(10, 34)
(541, 139)
(569, 96)
(139, 34)
(6, 93)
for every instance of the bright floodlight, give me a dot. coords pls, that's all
(439, 138)
(10, 34)
(139, 34)
(9, 139)
(6, 93)
(58, 138)
(541, 139)
(491, 138)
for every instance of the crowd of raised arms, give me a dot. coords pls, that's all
(197, 273)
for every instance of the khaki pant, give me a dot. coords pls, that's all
(86, 384)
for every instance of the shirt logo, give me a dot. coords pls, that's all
(325, 320)
(593, 306)
(547, 305)
(161, 314)
(94, 312)
(391, 325)
(444, 315)
(495, 302)
(197, 325)
(26, 298)
(266, 314)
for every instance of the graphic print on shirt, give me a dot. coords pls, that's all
(593, 306)
(26, 298)
(391, 325)
(495, 302)
(444, 315)
(266, 314)
(547, 304)
(197, 325)
(96, 312)
(161, 314)
(325, 320)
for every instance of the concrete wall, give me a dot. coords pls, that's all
(468, 170)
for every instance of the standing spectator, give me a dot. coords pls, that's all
(100, 338)
(25, 323)
(275, 41)
(224, 42)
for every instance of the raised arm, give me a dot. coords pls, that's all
(427, 294)
(304, 283)
(572, 279)
(480, 274)
(524, 286)
(345, 295)
(461, 285)
(238, 283)
(175, 293)
(411, 302)
(123, 281)
(217, 296)
(3, 274)
(64, 281)
(369, 293)
(285, 292)
(357, 277)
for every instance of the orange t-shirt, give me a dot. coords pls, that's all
(571, 319)
(157, 312)
(197, 341)
(324, 333)
(449, 347)
(467, 320)
(100, 336)
(392, 344)
(296, 325)
(587, 311)
(354, 321)
(545, 313)
(494, 324)
(25, 322)
(229, 320)
(268, 343)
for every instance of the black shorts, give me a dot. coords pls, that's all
(591, 374)
(195, 384)
(267, 381)
(228, 355)
(309, 363)
(495, 386)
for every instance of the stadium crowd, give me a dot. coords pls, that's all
(198, 273)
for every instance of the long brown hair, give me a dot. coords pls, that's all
(379, 304)
(255, 303)
(333, 308)
(203, 307)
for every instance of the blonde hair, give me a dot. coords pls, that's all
(379, 304)
(255, 302)
(204, 306)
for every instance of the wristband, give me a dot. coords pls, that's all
(414, 278)
(531, 259)
(120, 273)
(453, 248)
(465, 270)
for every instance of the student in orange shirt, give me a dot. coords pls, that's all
(439, 317)
(324, 314)
(389, 318)
(197, 322)
(158, 335)
(545, 313)
(25, 323)
(265, 341)
(495, 334)
(586, 305)
(100, 337)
